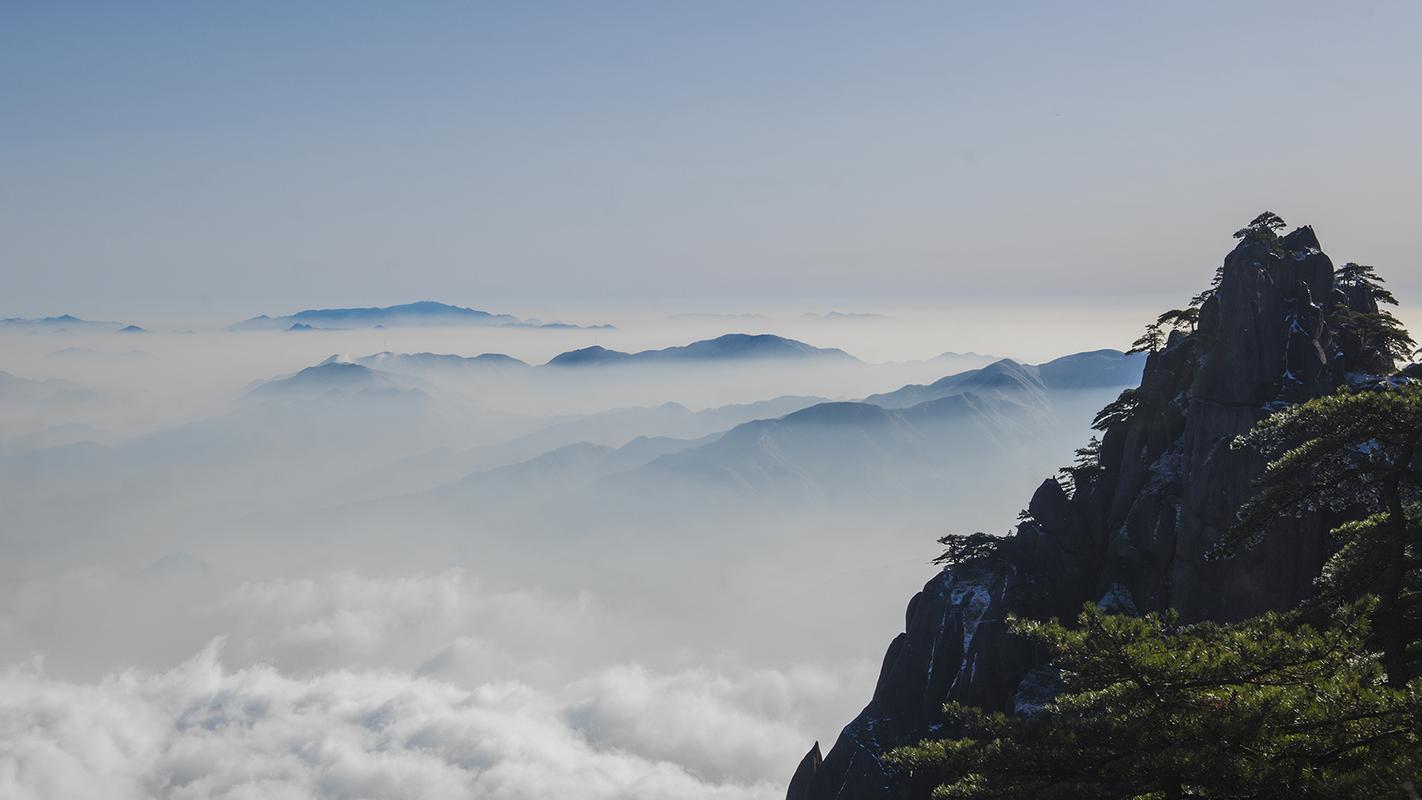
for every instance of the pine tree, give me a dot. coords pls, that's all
(1263, 228)
(1364, 330)
(1357, 454)
(968, 549)
(1179, 318)
(1118, 411)
(1266, 708)
(1085, 467)
(1375, 330)
(1354, 275)
(1150, 341)
(1199, 299)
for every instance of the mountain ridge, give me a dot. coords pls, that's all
(1134, 529)
(797, 451)
(60, 323)
(422, 313)
(1010, 378)
(727, 347)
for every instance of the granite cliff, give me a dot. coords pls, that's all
(1133, 530)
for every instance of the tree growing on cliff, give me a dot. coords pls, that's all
(1356, 454)
(1375, 330)
(1118, 411)
(1263, 228)
(1085, 466)
(1178, 318)
(968, 549)
(1361, 276)
(1150, 708)
(1150, 341)
(1362, 329)
(1199, 299)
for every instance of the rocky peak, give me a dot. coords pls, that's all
(804, 774)
(1134, 533)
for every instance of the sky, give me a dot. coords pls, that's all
(214, 591)
(262, 156)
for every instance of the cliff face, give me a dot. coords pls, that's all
(1134, 536)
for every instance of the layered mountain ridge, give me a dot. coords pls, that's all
(1133, 531)
(728, 347)
(63, 323)
(424, 313)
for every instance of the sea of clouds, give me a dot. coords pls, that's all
(203, 596)
(422, 686)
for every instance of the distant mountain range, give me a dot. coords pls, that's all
(806, 450)
(830, 316)
(668, 422)
(950, 356)
(573, 466)
(914, 437)
(1005, 378)
(425, 313)
(730, 347)
(437, 362)
(320, 427)
(842, 450)
(329, 375)
(61, 323)
(1019, 382)
(344, 432)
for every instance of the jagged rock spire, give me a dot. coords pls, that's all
(800, 782)
(1136, 532)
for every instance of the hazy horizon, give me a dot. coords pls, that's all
(470, 547)
(175, 159)
(263, 563)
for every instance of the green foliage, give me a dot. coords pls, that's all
(1266, 708)
(1199, 299)
(1085, 467)
(1377, 330)
(1353, 275)
(1334, 452)
(1357, 454)
(1118, 411)
(1365, 555)
(1180, 318)
(1263, 228)
(964, 549)
(1150, 341)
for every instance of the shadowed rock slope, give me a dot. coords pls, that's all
(1133, 533)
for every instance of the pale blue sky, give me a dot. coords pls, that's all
(265, 156)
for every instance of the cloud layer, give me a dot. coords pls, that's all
(287, 723)
(199, 731)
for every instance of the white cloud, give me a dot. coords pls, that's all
(349, 686)
(199, 731)
(721, 724)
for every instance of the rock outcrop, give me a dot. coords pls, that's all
(1134, 532)
(804, 774)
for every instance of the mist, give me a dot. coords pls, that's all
(281, 563)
